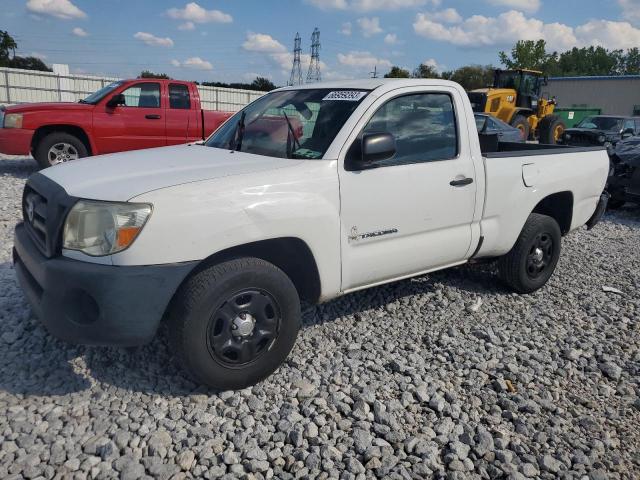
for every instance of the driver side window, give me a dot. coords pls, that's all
(423, 125)
(142, 95)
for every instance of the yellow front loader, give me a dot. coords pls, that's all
(515, 98)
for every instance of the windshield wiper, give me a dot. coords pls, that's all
(290, 134)
(239, 133)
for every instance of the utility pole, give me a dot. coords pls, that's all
(313, 75)
(374, 74)
(296, 70)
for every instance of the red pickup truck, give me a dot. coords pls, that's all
(125, 115)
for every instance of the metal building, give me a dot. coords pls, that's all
(612, 95)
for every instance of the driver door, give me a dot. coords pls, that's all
(413, 212)
(140, 123)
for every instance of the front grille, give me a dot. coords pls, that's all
(34, 210)
(44, 208)
(582, 140)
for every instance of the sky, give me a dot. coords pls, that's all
(237, 40)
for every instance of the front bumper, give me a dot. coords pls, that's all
(95, 304)
(15, 141)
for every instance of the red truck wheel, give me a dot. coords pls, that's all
(59, 147)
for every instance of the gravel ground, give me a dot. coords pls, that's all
(447, 375)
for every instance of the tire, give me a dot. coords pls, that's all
(61, 145)
(522, 269)
(521, 123)
(551, 129)
(228, 294)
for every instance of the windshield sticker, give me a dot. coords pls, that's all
(345, 95)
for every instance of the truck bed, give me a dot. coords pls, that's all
(491, 148)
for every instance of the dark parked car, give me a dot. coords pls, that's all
(624, 179)
(606, 130)
(489, 125)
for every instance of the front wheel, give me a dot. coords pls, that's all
(59, 147)
(551, 129)
(234, 323)
(521, 123)
(533, 259)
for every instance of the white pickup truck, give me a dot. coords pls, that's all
(309, 192)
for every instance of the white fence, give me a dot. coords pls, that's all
(28, 86)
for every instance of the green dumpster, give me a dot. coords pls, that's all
(571, 116)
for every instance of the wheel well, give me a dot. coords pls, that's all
(289, 254)
(558, 206)
(41, 132)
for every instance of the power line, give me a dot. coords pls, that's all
(296, 69)
(313, 75)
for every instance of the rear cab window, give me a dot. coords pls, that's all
(179, 97)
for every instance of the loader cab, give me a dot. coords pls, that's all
(527, 85)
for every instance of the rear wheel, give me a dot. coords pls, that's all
(233, 324)
(521, 123)
(59, 147)
(533, 259)
(551, 129)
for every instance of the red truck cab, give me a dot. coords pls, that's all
(124, 115)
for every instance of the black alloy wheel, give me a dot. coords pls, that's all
(244, 327)
(540, 255)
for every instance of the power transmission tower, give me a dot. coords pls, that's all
(313, 75)
(374, 74)
(296, 70)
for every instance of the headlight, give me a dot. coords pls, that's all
(13, 120)
(103, 228)
(567, 136)
(601, 138)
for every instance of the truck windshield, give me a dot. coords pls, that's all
(95, 97)
(601, 123)
(289, 124)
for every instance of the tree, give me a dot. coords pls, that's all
(425, 71)
(262, 84)
(150, 74)
(7, 44)
(591, 61)
(631, 62)
(397, 72)
(28, 63)
(471, 76)
(531, 55)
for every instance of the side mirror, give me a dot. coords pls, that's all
(116, 100)
(371, 148)
(377, 146)
(628, 133)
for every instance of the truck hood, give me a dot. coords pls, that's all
(35, 107)
(590, 131)
(122, 176)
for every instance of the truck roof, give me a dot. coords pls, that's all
(374, 83)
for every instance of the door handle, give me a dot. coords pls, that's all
(461, 182)
(153, 117)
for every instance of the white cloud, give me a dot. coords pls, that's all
(152, 40)
(261, 42)
(195, 63)
(509, 27)
(371, 5)
(630, 10)
(358, 59)
(391, 39)
(433, 63)
(63, 9)
(346, 29)
(448, 15)
(369, 26)
(193, 12)
(187, 26)
(608, 34)
(529, 6)
(79, 32)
